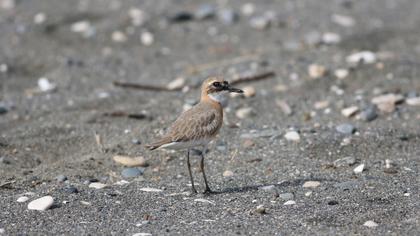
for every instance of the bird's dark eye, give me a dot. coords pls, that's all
(216, 84)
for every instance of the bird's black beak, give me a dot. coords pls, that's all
(233, 90)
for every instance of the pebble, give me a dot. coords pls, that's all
(137, 16)
(130, 161)
(227, 173)
(7, 4)
(261, 209)
(45, 85)
(4, 68)
(228, 16)
(341, 73)
(259, 22)
(388, 98)
(359, 169)
(61, 178)
(349, 111)
(244, 112)
(41, 204)
(415, 101)
(142, 234)
(286, 196)
(135, 141)
(119, 37)
(205, 11)
(309, 193)
(83, 27)
(248, 143)
(181, 16)
(248, 9)
(147, 189)
(131, 172)
(290, 202)
(365, 57)
(321, 104)
(342, 20)
(147, 38)
(249, 91)
(177, 83)
(369, 114)
(370, 224)
(316, 71)
(71, 189)
(345, 128)
(331, 38)
(3, 110)
(22, 199)
(311, 184)
(267, 188)
(97, 185)
(346, 161)
(40, 18)
(292, 136)
(285, 108)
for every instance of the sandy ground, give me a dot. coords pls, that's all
(51, 133)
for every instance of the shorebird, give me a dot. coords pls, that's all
(200, 124)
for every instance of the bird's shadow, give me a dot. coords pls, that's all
(284, 184)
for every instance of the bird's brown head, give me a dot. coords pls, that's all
(216, 86)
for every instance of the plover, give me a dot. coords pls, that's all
(197, 126)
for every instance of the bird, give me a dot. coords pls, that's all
(199, 125)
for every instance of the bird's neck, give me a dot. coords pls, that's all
(212, 99)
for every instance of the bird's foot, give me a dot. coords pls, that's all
(208, 191)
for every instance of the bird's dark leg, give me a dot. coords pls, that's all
(189, 171)
(204, 174)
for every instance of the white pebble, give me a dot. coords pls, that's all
(345, 21)
(349, 111)
(176, 83)
(249, 91)
(22, 199)
(365, 57)
(316, 71)
(311, 184)
(80, 26)
(290, 202)
(292, 136)
(370, 224)
(40, 18)
(359, 169)
(227, 173)
(7, 4)
(41, 204)
(97, 185)
(137, 16)
(243, 113)
(45, 85)
(119, 37)
(147, 189)
(2, 231)
(413, 101)
(341, 73)
(142, 234)
(4, 68)
(248, 9)
(147, 38)
(331, 38)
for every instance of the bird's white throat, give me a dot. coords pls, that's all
(220, 97)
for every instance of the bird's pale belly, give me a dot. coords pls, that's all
(186, 145)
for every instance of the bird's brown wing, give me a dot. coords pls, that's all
(194, 124)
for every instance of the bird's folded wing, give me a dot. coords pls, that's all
(194, 126)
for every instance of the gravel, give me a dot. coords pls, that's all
(49, 133)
